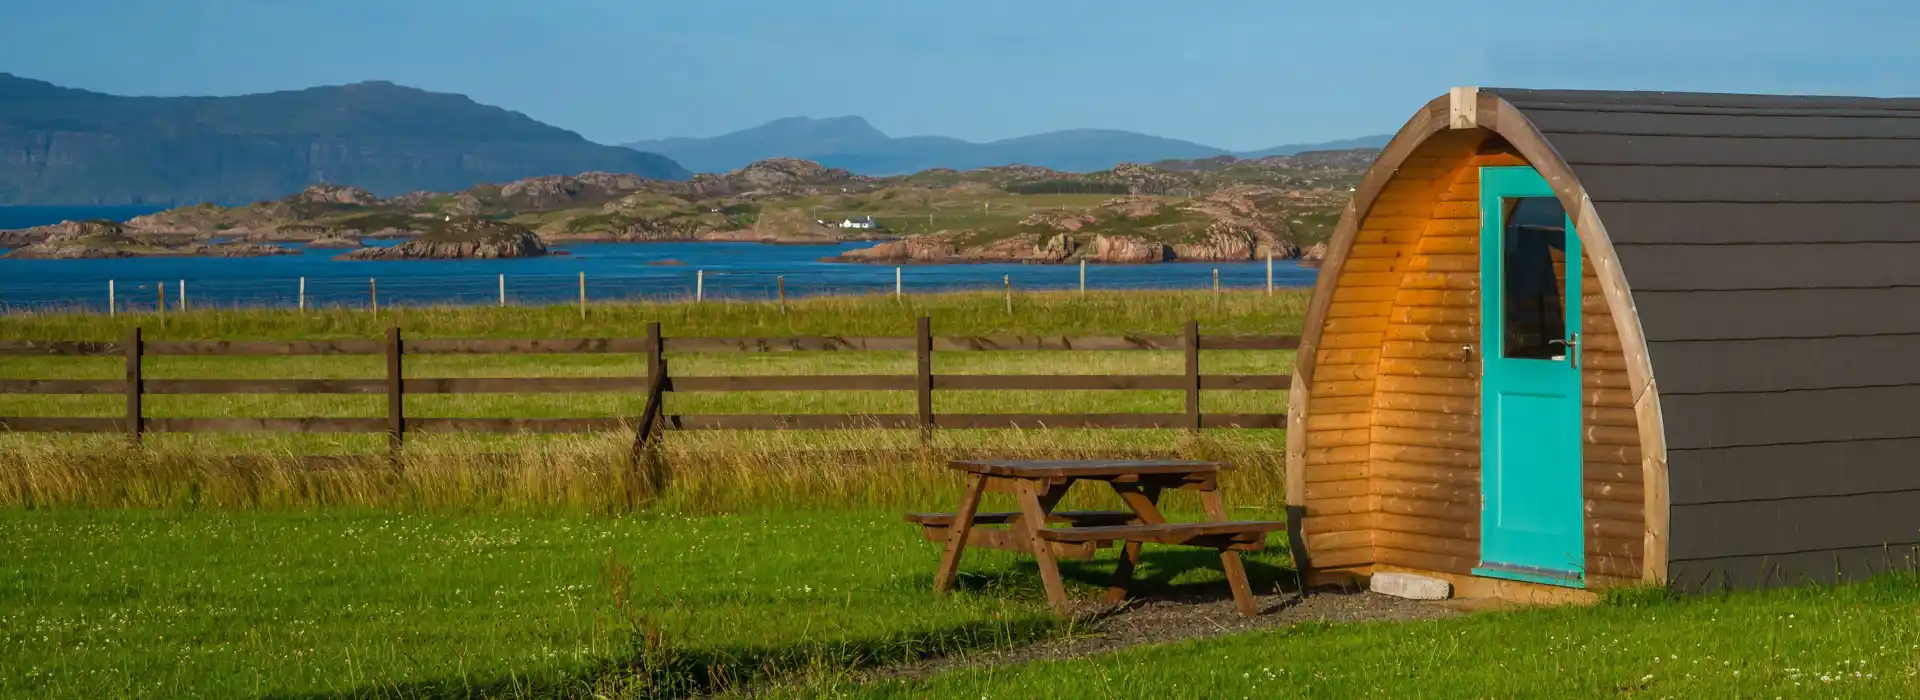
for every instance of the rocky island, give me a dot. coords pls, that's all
(77, 240)
(1215, 209)
(460, 238)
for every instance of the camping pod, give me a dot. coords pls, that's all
(1570, 340)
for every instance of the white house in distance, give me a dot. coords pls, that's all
(864, 222)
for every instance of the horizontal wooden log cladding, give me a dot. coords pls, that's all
(1446, 368)
(1416, 472)
(1455, 315)
(1351, 488)
(63, 386)
(1426, 561)
(1358, 309)
(1336, 455)
(1731, 474)
(1770, 266)
(1453, 423)
(1338, 421)
(267, 425)
(1430, 544)
(517, 425)
(1389, 487)
(267, 347)
(1756, 528)
(1341, 373)
(1337, 558)
(1340, 404)
(1338, 472)
(1421, 437)
(1606, 149)
(1791, 364)
(1424, 508)
(1431, 386)
(1349, 357)
(1428, 455)
(13, 424)
(1453, 529)
(59, 347)
(1603, 472)
(1736, 420)
(1667, 223)
(1339, 540)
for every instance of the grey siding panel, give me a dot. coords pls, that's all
(1826, 567)
(1554, 122)
(1772, 528)
(1785, 313)
(1770, 266)
(1786, 364)
(1793, 417)
(1758, 222)
(1609, 149)
(1682, 183)
(1524, 98)
(1792, 471)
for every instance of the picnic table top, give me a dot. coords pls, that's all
(1068, 468)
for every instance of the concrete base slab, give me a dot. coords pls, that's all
(1410, 586)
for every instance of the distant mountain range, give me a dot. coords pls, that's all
(851, 143)
(66, 146)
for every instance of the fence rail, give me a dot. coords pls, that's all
(654, 381)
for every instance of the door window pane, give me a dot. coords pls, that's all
(1534, 278)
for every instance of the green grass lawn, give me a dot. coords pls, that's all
(1852, 641)
(213, 604)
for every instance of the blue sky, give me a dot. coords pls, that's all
(1231, 73)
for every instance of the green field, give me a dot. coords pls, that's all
(144, 603)
(1860, 641)
(768, 564)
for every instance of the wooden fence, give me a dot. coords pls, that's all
(654, 381)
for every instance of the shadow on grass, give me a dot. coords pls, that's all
(1153, 578)
(655, 668)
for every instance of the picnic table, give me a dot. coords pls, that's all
(1040, 485)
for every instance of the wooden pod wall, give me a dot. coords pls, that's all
(1384, 446)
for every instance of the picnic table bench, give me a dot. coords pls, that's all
(1040, 485)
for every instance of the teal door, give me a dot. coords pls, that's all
(1530, 524)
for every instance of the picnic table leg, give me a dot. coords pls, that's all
(957, 533)
(1230, 559)
(1034, 516)
(1145, 505)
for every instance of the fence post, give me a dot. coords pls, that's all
(583, 295)
(111, 311)
(396, 398)
(135, 389)
(303, 294)
(781, 281)
(1192, 379)
(1216, 279)
(503, 290)
(923, 381)
(1008, 281)
(162, 307)
(373, 293)
(699, 285)
(183, 295)
(1083, 278)
(1269, 273)
(897, 290)
(650, 416)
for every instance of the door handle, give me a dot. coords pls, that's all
(1573, 349)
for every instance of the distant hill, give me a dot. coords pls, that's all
(66, 146)
(850, 143)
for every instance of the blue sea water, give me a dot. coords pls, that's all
(613, 271)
